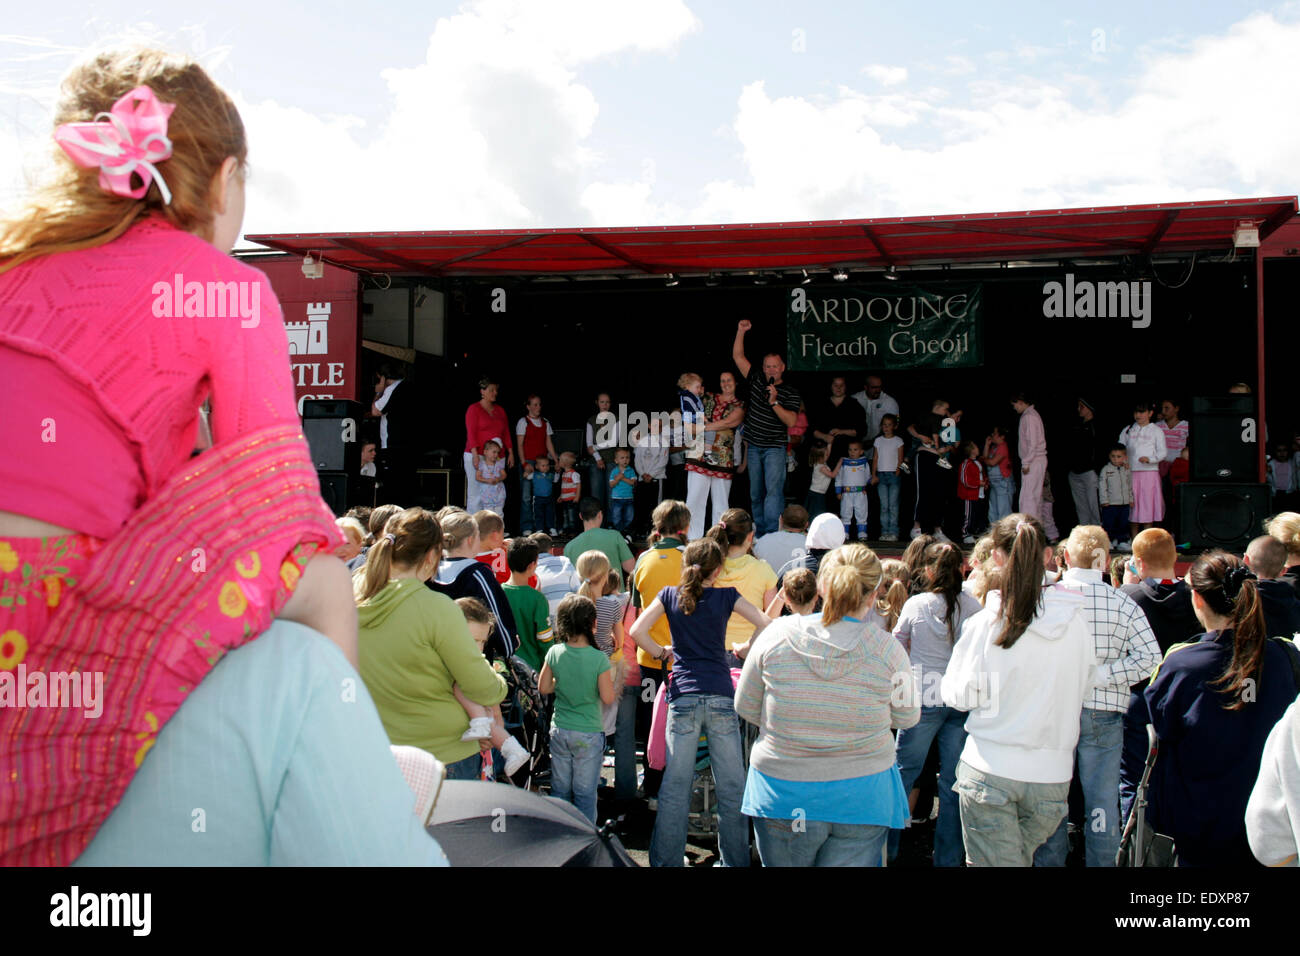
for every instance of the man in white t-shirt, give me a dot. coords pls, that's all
(384, 392)
(556, 575)
(780, 547)
(877, 405)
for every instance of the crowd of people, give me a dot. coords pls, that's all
(250, 645)
(1024, 668)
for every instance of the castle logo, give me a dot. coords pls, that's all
(311, 337)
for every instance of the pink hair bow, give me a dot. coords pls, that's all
(128, 139)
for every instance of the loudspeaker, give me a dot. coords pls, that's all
(337, 488)
(1215, 446)
(1222, 516)
(327, 422)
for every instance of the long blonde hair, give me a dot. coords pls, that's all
(415, 533)
(72, 211)
(895, 578)
(593, 567)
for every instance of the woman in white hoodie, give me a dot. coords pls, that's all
(1022, 668)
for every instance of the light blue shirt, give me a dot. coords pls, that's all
(277, 758)
(877, 799)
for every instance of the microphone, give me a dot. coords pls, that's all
(771, 380)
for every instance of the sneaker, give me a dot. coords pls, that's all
(916, 533)
(941, 537)
(515, 754)
(552, 532)
(969, 539)
(889, 537)
(1125, 547)
(904, 467)
(480, 728)
(862, 538)
(944, 463)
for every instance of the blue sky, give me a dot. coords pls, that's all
(516, 113)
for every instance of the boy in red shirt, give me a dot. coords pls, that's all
(971, 483)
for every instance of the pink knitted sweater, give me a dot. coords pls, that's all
(105, 388)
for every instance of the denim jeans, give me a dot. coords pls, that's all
(471, 768)
(526, 523)
(766, 487)
(688, 717)
(543, 513)
(625, 744)
(1004, 821)
(1001, 491)
(888, 490)
(621, 511)
(576, 759)
(817, 843)
(949, 726)
(1101, 742)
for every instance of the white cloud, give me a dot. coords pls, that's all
(886, 75)
(1185, 132)
(490, 131)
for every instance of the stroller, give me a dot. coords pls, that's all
(1139, 845)
(529, 717)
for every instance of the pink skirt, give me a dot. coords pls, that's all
(1148, 500)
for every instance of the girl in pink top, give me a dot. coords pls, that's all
(121, 312)
(484, 420)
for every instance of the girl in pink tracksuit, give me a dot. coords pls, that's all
(1146, 450)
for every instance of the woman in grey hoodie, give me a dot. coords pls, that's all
(825, 691)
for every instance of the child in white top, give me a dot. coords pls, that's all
(821, 481)
(1146, 450)
(886, 461)
(1115, 489)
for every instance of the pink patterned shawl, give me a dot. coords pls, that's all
(201, 568)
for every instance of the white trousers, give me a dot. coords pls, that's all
(700, 489)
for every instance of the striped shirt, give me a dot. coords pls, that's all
(609, 610)
(1125, 645)
(825, 699)
(1175, 438)
(762, 428)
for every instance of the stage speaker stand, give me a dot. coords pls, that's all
(1216, 451)
(326, 422)
(1219, 515)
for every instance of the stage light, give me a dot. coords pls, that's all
(892, 274)
(313, 268)
(671, 280)
(840, 275)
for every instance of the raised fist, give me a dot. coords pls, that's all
(744, 325)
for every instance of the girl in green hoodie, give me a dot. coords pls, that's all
(414, 646)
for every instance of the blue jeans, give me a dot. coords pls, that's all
(815, 504)
(470, 768)
(816, 843)
(1004, 821)
(526, 524)
(621, 513)
(1101, 740)
(949, 726)
(888, 490)
(576, 759)
(688, 717)
(625, 745)
(1000, 492)
(543, 513)
(766, 487)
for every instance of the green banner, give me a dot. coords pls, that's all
(885, 327)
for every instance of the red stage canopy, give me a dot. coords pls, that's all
(1093, 232)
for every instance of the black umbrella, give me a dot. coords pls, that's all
(490, 824)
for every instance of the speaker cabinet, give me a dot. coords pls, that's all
(1224, 516)
(333, 430)
(1215, 446)
(337, 488)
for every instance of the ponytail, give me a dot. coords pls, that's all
(732, 529)
(701, 559)
(593, 568)
(849, 575)
(406, 539)
(1229, 588)
(1022, 538)
(943, 563)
